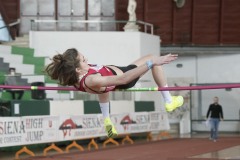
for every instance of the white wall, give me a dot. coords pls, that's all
(122, 107)
(118, 48)
(66, 107)
(221, 69)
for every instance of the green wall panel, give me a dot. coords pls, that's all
(30, 108)
(91, 107)
(144, 106)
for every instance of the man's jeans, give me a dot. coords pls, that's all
(214, 127)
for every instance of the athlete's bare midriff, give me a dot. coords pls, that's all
(117, 70)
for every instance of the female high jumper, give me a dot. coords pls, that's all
(72, 69)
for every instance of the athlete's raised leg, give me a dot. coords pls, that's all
(171, 102)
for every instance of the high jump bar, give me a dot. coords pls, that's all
(202, 87)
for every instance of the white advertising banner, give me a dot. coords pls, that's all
(27, 130)
(40, 129)
(11, 131)
(131, 122)
(159, 121)
(81, 127)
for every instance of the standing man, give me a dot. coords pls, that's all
(216, 114)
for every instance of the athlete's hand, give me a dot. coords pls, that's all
(165, 59)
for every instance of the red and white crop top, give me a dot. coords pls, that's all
(95, 69)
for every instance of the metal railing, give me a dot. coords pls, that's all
(143, 26)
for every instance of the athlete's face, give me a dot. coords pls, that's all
(83, 61)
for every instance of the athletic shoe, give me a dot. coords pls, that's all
(177, 101)
(109, 128)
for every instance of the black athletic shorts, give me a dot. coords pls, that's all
(125, 69)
